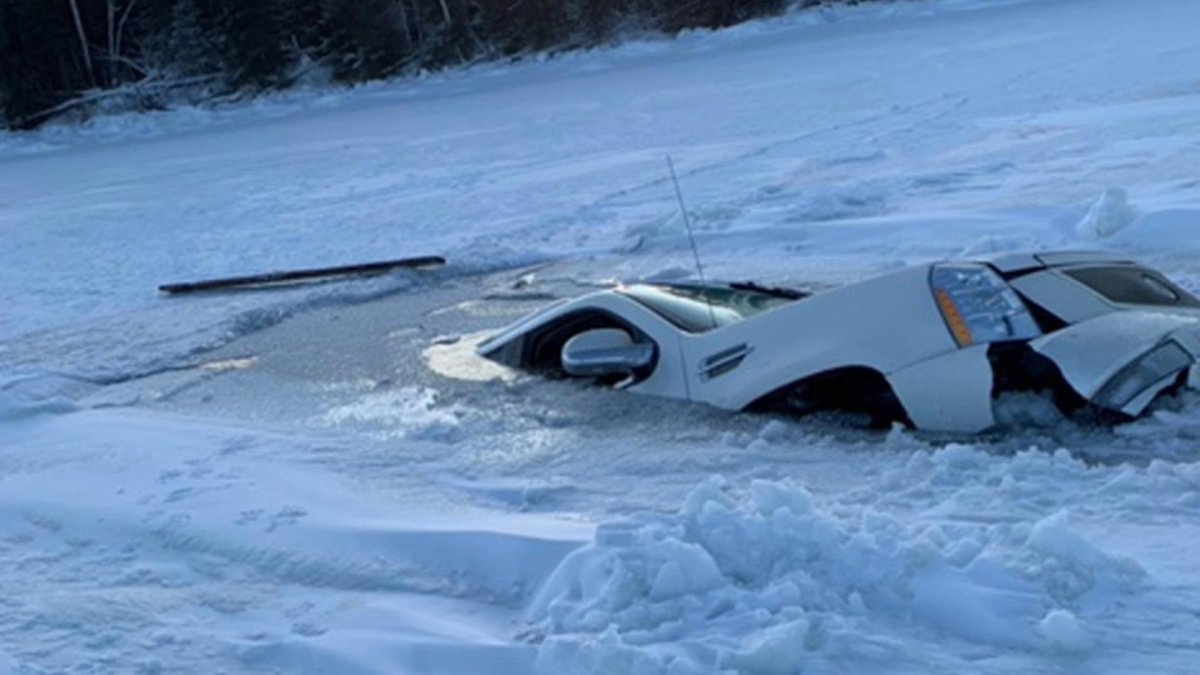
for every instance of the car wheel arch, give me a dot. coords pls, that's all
(853, 389)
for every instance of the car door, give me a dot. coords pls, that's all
(667, 377)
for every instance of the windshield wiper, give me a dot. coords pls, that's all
(773, 291)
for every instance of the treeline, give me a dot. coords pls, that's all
(75, 56)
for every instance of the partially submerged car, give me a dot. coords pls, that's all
(932, 346)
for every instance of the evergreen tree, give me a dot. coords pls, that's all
(253, 40)
(366, 39)
(182, 46)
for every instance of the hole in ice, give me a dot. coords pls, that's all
(457, 360)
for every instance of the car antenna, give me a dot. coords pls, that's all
(687, 224)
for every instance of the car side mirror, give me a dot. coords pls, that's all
(605, 351)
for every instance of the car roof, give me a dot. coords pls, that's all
(1019, 262)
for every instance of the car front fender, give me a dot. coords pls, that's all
(884, 324)
(950, 393)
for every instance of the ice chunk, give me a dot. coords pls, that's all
(1063, 631)
(778, 650)
(1109, 214)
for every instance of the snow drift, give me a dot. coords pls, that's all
(774, 582)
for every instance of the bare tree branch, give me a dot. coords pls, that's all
(147, 85)
(405, 31)
(141, 68)
(83, 41)
(109, 21)
(121, 24)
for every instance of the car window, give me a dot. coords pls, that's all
(1133, 285)
(695, 309)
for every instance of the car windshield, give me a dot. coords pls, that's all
(697, 309)
(1133, 285)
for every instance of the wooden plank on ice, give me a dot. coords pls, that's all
(287, 276)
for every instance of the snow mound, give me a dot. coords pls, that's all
(1062, 630)
(771, 582)
(1109, 214)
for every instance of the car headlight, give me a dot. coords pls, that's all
(978, 306)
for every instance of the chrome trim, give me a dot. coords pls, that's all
(723, 361)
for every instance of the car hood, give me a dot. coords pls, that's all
(1093, 354)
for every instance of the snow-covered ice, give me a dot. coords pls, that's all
(316, 480)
